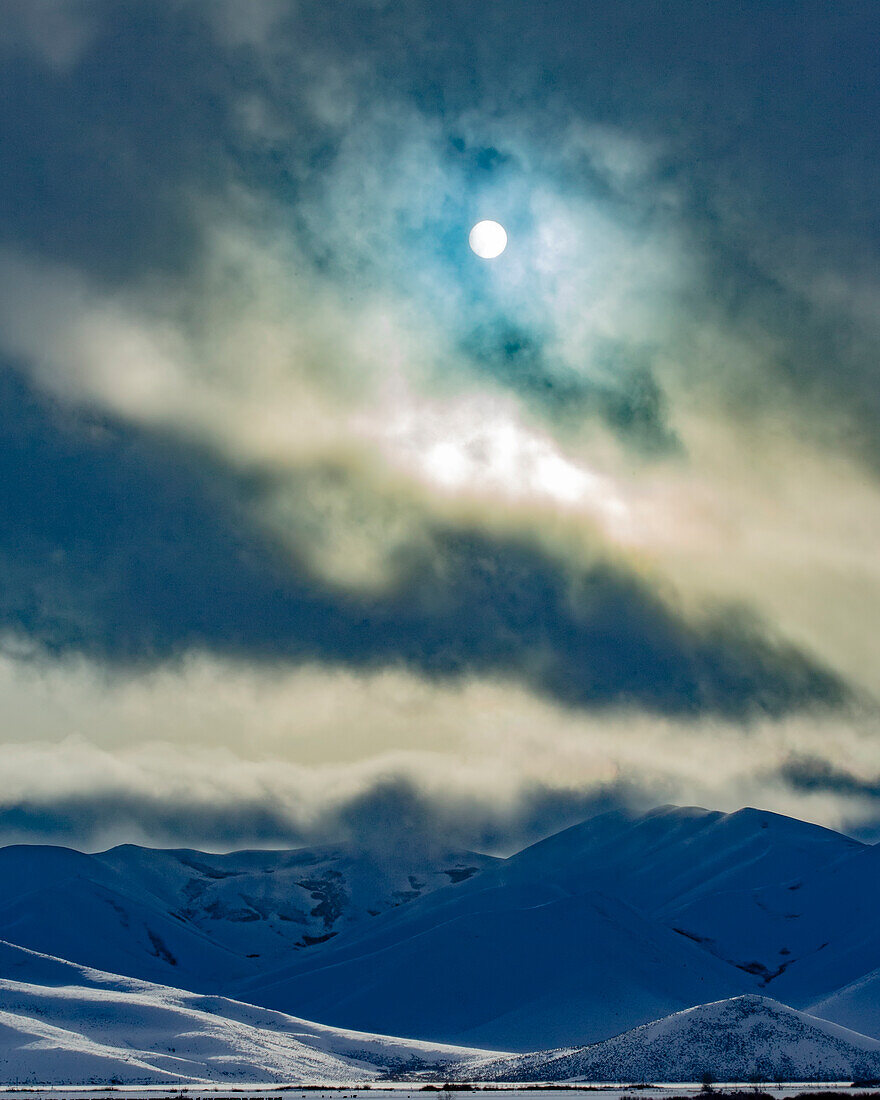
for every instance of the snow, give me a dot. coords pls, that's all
(504, 968)
(202, 920)
(856, 1005)
(747, 1038)
(806, 935)
(672, 856)
(70, 1024)
(572, 940)
(617, 922)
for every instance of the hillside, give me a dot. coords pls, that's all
(806, 936)
(201, 920)
(505, 967)
(746, 1038)
(672, 856)
(66, 1024)
(856, 1005)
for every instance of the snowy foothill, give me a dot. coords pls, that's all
(69, 1024)
(746, 1038)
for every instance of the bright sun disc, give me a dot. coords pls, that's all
(488, 239)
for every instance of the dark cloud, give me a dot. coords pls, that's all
(812, 773)
(389, 815)
(394, 812)
(120, 546)
(52, 33)
(87, 821)
(815, 775)
(691, 188)
(98, 155)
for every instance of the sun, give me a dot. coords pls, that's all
(488, 239)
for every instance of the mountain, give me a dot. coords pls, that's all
(506, 970)
(747, 1038)
(667, 859)
(805, 936)
(201, 920)
(612, 923)
(529, 953)
(66, 1024)
(571, 940)
(260, 904)
(68, 904)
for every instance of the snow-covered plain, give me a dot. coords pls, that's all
(399, 1091)
(794, 1090)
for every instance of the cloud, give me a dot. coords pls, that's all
(855, 786)
(219, 754)
(812, 773)
(392, 817)
(362, 448)
(124, 549)
(260, 407)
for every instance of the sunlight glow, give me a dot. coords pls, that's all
(488, 239)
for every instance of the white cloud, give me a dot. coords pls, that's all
(305, 745)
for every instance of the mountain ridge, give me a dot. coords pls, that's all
(606, 925)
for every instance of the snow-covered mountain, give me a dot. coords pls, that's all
(615, 922)
(62, 1023)
(66, 1024)
(746, 1038)
(262, 903)
(856, 1005)
(669, 858)
(200, 920)
(571, 940)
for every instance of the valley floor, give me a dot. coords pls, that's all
(406, 1091)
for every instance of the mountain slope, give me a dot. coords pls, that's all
(68, 904)
(856, 1005)
(505, 968)
(652, 862)
(200, 920)
(668, 858)
(804, 938)
(67, 1024)
(264, 903)
(650, 913)
(746, 1038)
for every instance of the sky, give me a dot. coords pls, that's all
(316, 527)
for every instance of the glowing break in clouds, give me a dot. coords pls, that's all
(480, 447)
